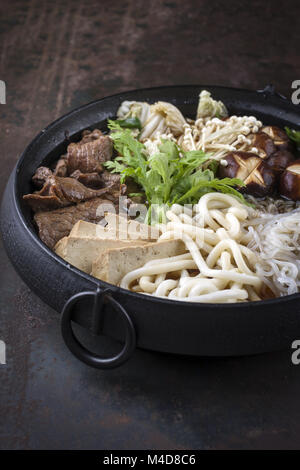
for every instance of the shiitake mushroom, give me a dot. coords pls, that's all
(261, 171)
(263, 143)
(261, 180)
(238, 165)
(258, 177)
(289, 185)
(279, 160)
(279, 137)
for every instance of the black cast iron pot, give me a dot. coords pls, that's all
(138, 320)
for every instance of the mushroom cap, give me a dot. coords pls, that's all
(289, 185)
(239, 165)
(258, 177)
(279, 137)
(261, 181)
(279, 160)
(264, 144)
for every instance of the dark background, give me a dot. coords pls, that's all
(55, 56)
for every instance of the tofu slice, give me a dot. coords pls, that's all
(133, 227)
(82, 251)
(113, 264)
(84, 229)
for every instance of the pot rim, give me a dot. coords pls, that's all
(98, 282)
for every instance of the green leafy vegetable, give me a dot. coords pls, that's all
(208, 107)
(130, 123)
(225, 185)
(169, 176)
(293, 135)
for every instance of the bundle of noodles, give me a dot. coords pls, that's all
(276, 240)
(271, 206)
(217, 266)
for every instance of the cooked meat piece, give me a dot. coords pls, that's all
(60, 192)
(96, 180)
(43, 173)
(264, 144)
(40, 176)
(108, 178)
(56, 224)
(88, 136)
(91, 180)
(61, 168)
(88, 156)
(114, 194)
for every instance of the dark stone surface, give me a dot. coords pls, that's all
(55, 56)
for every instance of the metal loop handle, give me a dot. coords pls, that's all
(80, 351)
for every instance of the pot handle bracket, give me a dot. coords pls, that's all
(270, 90)
(81, 352)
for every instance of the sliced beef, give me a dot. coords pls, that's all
(89, 154)
(98, 181)
(88, 136)
(60, 192)
(91, 180)
(40, 176)
(43, 173)
(75, 187)
(61, 168)
(58, 223)
(110, 179)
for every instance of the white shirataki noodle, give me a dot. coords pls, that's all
(276, 240)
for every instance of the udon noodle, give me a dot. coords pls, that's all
(217, 266)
